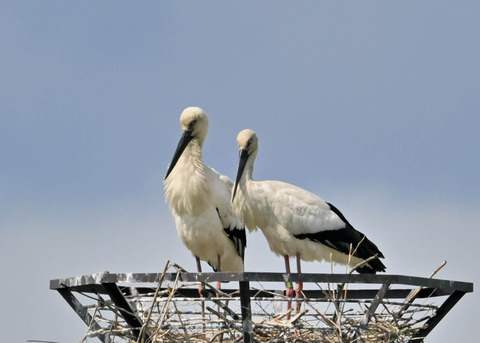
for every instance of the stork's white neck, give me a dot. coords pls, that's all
(248, 170)
(187, 184)
(245, 202)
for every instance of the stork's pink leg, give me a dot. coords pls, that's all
(299, 288)
(219, 269)
(201, 287)
(289, 291)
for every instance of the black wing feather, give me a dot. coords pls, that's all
(238, 238)
(346, 239)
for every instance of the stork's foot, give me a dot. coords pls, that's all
(289, 292)
(298, 294)
(201, 291)
(298, 290)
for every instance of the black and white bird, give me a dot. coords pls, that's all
(296, 222)
(200, 200)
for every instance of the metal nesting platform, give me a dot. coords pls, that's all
(161, 307)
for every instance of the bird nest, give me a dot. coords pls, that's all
(328, 312)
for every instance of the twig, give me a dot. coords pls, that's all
(295, 318)
(362, 263)
(162, 317)
(413, 295)
(160, 281)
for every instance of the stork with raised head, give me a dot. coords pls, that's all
(200, 201)
(296, 222)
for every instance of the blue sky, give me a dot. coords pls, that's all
(372, 105)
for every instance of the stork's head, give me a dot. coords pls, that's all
(248, 149)
(247, 141)
(194, 122)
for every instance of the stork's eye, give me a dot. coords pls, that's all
(192, 124)
(249, 142)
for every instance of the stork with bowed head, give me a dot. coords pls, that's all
(296, 222)
(200, 201)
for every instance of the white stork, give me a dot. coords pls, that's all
(296, 222)
(200, 201)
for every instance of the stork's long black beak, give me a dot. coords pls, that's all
(242, 160)
(182, 144)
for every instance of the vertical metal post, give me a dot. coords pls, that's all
(246, 311)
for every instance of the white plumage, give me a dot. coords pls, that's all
(294, 221)
(200, 200)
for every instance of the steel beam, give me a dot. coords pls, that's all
(439, 314)
(374, 304)
(446, 285)
(246, 311)
(124, 307)
(82, 312)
